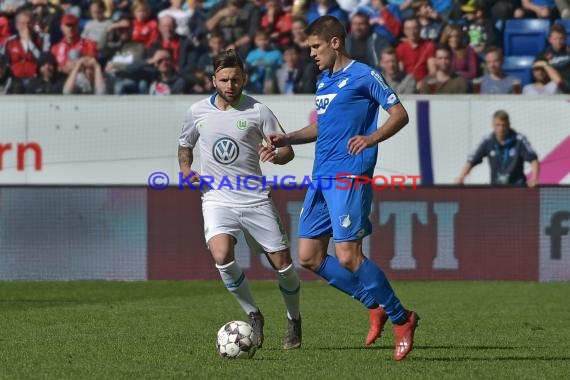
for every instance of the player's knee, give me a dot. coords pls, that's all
(222, 256)
(308, 262)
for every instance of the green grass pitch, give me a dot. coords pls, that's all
(167, 330)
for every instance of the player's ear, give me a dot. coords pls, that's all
(214, 81)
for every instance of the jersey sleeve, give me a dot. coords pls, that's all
(268, 121)
(482, 150)
(380, 91)
(527, 153)
(189, 134)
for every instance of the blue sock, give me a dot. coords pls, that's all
(341, 278)
(376, 283)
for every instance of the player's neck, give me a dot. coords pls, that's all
(223, 105)
(341, 62)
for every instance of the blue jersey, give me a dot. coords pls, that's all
(347, 105)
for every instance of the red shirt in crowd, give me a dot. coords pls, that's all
(415, 59)
(145, 32)
(22, 60)
(82, 47)
(283, 25)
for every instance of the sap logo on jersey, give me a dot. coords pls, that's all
(323, 101)
(225, 151)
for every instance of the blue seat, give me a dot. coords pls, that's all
(525, 36)
(520, 67)
(566, 24)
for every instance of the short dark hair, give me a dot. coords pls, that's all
(228, 58)
(444, 47)
(494, 49)
(502, 115)
(326, 28)
(557, 28)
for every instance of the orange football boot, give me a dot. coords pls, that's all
(378, 318)
(405, 335)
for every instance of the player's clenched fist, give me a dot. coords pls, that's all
(277, 140)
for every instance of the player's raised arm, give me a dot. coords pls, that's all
(302, 136)
(397, 120)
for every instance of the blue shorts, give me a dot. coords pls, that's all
(341, 212)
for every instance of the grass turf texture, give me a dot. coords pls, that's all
(157, 330)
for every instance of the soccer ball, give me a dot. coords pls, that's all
(236, 340)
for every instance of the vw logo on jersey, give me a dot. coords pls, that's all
(322, 102)
(225, 151)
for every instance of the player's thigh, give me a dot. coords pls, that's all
(314, 220)
(264, 229)
(349, 211)
(221, 231)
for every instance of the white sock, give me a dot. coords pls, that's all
(236, 282)
(290, 287)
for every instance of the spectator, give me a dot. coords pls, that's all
(401, 82)
(495, 81)
(206, 59)
(238, 20)
(262, 64)
(178, 47)
(443, 8)
(445, 80)
(4, 29)
(429, 20)
(86, 77)
(361, 44)
(318, 8)
(463, 59)
(72, 46)
(279, 22)
(8, 83)
(121, 53)
(405, 7)
(547, 80)
(479, 28)
(145, 29)
(537, 8)
(293, 77)
(414, 53)
(300, 39)
(49, 80)
(506, 150)
(45, 18)
(180, 15)
(168, 81)
(384, 19)
(24, 48)
(97, 28)
(558, 53)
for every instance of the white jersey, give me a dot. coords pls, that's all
(229, 143)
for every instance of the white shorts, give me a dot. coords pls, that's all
(261, 225)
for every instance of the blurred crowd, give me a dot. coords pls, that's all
(162, 47)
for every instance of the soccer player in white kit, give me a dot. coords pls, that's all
(229, 129)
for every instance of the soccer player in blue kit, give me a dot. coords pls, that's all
(346, 134)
